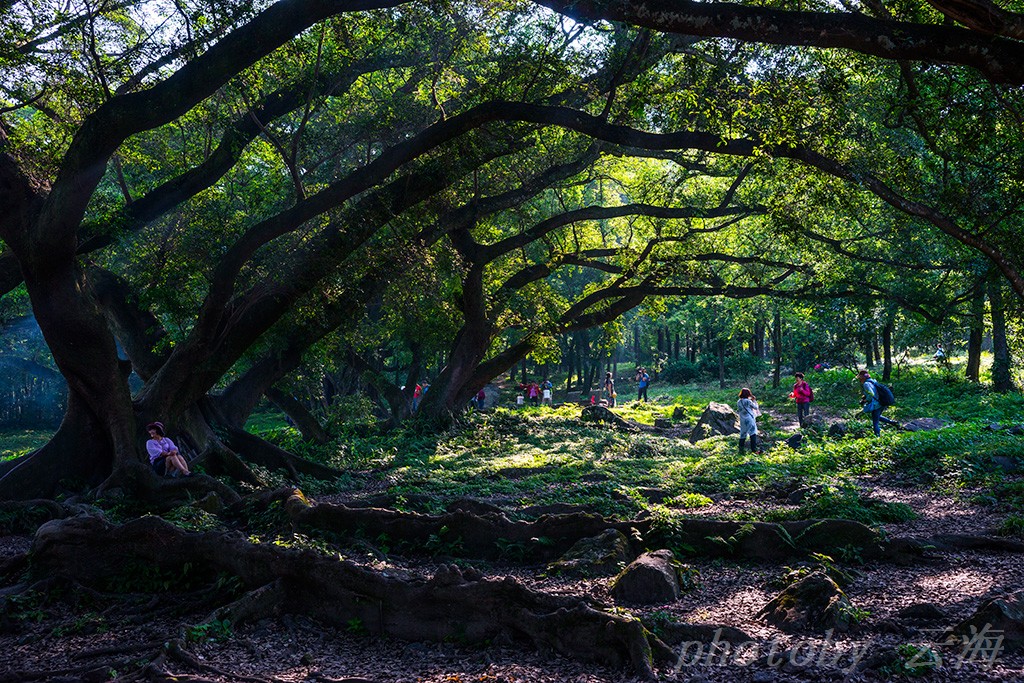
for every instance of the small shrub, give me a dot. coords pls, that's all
(1012, 526)
(690, 500)
(847, 503)
(913, 660)
(191, 518)
(680, 371)
(216, 631)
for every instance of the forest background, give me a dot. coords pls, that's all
(219, 213)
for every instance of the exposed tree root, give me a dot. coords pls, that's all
(970, 542)
(152, 646)
(89, 672)
(263, 601)
(25, 516)
(255, 450)
(176, 651)
(485, 535)
(449, 606)
(489, 535)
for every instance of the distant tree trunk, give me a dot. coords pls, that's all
(583, 349)
(636, 344)
(1001, 378)
(721, 364)
(874, 346)
(777, 347)
(661, 340)
(676, 354)
(977, 334)
(887, 347)
(304, 420)
(571, 363)
(869, 358)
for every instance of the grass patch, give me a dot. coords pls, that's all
(15, 443)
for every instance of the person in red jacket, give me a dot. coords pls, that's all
(803, 395)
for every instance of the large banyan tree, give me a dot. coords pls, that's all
(200, 194)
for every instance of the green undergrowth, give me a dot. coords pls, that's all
(518, 458)
(16, 443)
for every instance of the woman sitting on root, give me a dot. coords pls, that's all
(163, 454)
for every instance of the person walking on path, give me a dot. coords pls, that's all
(163, 454)
(803, 395)
(609, 389)
(748, 410)
(871, 405)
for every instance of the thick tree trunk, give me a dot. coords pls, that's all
(977, 334)
(304, 420)
(79, 452)
(777, 348)
(100, 429)
(458, 381)
(887, 348)
(1002, 379)
(721, 363)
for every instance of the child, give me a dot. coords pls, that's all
(609, 389)
(748, 409)
(803, 395)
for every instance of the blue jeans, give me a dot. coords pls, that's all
(802, 411)
(877, 418)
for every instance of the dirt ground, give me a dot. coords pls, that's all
(92, 638)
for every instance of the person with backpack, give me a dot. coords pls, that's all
(748, 410)
(877, 397)
(803, 395)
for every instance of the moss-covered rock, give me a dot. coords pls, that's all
(814, 603)
(598, 555)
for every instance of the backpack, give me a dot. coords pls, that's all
(885, 395)
(810, 394)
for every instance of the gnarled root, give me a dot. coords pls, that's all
(449, 606)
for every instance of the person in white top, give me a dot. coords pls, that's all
(749, 410)
(163, 454)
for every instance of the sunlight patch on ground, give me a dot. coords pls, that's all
(959, 582)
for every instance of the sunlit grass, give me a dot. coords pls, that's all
(538, 456)
(15, 443)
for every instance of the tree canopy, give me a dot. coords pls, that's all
(218, 196)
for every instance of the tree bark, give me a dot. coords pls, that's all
(304, 420)
(976, 324)
(777, 347)
(720, 347)
(887, 348)
(1002, 379)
